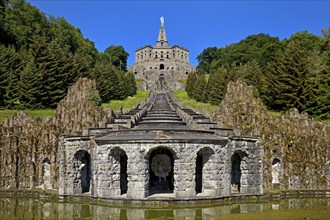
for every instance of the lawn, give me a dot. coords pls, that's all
(115, 105)
(34, 113)
(183, 97)
(128, 103)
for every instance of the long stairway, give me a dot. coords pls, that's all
(161, 114)
(160, 118)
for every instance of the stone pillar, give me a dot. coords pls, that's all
(137, 175)
(184, 179)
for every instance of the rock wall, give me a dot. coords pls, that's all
(107, 162)
(296, 148)
(29, 147)
(171, 79)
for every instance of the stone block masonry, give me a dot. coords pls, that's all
(160, 155)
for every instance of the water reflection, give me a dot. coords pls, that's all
(35, 208)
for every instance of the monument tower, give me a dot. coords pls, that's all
(161, 66)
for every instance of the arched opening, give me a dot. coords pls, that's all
(276, 170)
(161, 66)
(119, 170)
(82, 166)
(46, 174)
(161, 178)
(202, 158)
(123, 174)
(199, 173)
(236, 171)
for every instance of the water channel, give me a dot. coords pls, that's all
(29, 207)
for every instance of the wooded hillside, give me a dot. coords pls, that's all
(294, 72)
(41, 56)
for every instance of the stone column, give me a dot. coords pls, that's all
(137, 175)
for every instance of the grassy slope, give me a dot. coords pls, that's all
(128, 103)
(183, 97)
(33, 113)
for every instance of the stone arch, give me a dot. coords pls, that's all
(202, 157)
(119, 158)
(161, 66)
(161, 170)
(236, 171)
(82, 170)
(276, 171)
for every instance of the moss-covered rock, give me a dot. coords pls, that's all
(27, 144)
(300, 144)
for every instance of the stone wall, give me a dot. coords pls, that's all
(29, 147)
(106, 162)
(151, 79)
(296, 147)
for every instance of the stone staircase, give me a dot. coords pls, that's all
(160, 113)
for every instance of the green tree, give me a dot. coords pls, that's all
(205, 59)
(191, 81)
(131, 85)
(9, 66)
(199, 88)
(216, 87)
(29, 86)
(288, 76)
(251, 74)
(22, 21)
(117, 56)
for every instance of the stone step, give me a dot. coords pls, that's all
(162, 118)
(162, 112)
(161, 123)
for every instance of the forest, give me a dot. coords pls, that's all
(41, 56)
(289, 73)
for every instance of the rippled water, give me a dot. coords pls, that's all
(20, 207)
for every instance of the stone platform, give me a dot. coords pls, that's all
(160, 148)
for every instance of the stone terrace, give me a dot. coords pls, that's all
(159, 150)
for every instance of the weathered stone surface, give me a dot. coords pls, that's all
(29, 147)
(161, 66)
(299, 144)
(161, 154)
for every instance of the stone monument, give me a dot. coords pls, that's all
(162, 61)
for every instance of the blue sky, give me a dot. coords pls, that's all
(194, 24)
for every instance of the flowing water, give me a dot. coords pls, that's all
(25, 207)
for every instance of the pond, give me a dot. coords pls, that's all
(23, 207)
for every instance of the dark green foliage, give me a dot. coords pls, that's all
(206, 58)
(290, 72)
(251, 74)
(259, 47)
(294, 72)
(131, 85)
(118, 56)
(22, 21)
(29, 86)
(9, 65)
(190, 85)
(216, 87)
(112, 83)
(199, 88)
(41, 57)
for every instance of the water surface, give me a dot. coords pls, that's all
(22, 207)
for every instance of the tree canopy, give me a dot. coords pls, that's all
(40, 57)
(290, 73)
